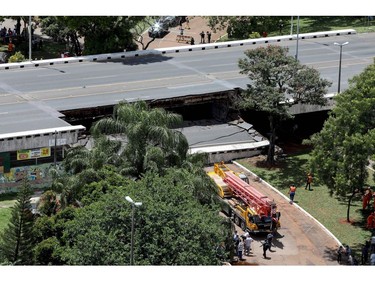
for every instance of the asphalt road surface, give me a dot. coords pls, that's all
(30, 96)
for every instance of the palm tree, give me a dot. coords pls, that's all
(81, 167)
(151, 142)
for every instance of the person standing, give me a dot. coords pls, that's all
(371, 221)
(364, 256)
(248, 241)
(265, 248)
(309, 180)
(187, 23)
(202, 36)
(240, 249)
(340, 251)
(372, 243)
(372, 258)
(366, 198)
(208, 37)
(269, 239)
(236, 240)
(292, 192)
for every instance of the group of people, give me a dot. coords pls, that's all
(347, 252)
(242, 244)
(293, 188)
(368, 251)
(202, 34)
(7, 34)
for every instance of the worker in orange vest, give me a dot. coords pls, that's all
(371, 221)
(309, 180)
(366, 198)
(10, 47)
(292, 192)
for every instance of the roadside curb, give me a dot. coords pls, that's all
(161, 51)
(287, 199)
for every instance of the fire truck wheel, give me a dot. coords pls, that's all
(243, 226)
(236, 220)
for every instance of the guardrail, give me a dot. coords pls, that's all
(160, 51)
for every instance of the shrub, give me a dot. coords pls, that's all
(17, 57)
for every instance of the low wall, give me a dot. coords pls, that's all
(38, 176)
(198, 47)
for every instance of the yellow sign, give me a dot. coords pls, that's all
(33, 153)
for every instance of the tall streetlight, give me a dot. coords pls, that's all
(30, 38)
(337, 44)
(296, 56)
(134, 204)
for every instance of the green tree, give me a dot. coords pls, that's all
(278, 81)
(81, 166)
(171, 226)
(244, 27)
(17, 240)
(343, 147)
(48, 236)
(104, 34)
(56, 28)
(139, 29)
(151, 143)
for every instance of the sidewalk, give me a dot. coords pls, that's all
(197, 25)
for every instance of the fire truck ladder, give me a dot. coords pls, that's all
(248, 194)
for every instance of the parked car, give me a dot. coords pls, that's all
(157, 30)
(160, 28)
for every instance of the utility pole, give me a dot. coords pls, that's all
(297, 38)
(30, 38)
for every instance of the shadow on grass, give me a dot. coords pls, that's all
(8, 196)
(314, 24)
(290, 171)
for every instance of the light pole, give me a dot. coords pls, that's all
(30, 38)
(337, 44)
(296, 56)
(134, 204)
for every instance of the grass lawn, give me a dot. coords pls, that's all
(328, 210)
(6, 202)
(323, 23)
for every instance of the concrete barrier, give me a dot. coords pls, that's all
(161, 51)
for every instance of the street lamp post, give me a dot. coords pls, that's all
(296, 55)
(339, 82)
(134, 204)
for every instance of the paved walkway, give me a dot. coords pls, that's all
(300, 239)
(196, 24)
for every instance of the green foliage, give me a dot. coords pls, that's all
(171, 227)
(46, 252)
(278, 81)
(17, 239)
(346, 142)
(49, 237)
(17, 57)
(48, 204)
(244, 27)
(152, 144)
(254, 35)
(104, 34)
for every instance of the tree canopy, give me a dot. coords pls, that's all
(244, 27)
(277, 82)
(17, 240)
(343, 147)
(151, 142)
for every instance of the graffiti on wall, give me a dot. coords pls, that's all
(38, 175)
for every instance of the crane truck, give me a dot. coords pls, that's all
(247, 207)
